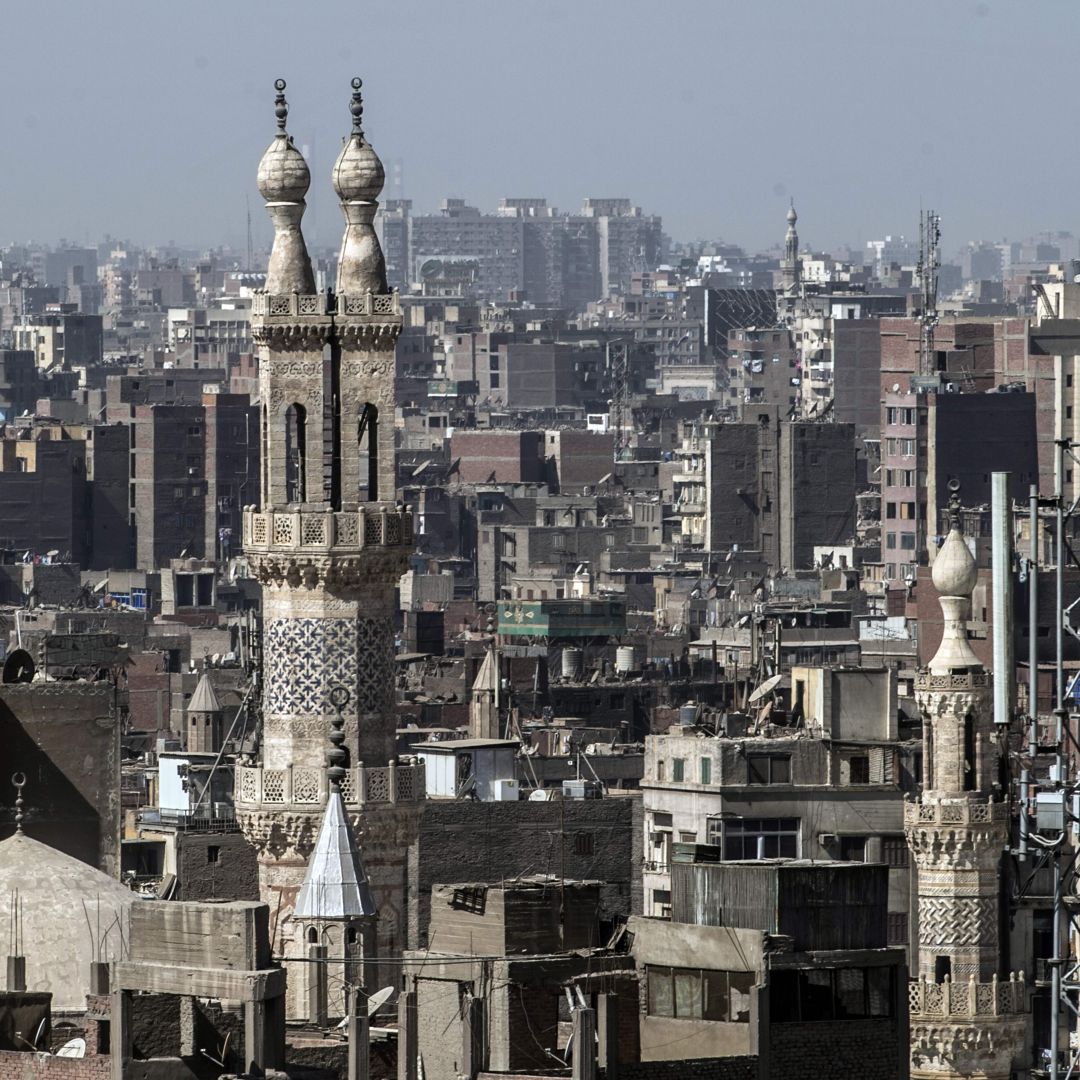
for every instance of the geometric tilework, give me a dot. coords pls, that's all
(304, 658)
(963, 921)
(375, 665)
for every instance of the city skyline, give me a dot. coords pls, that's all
(571, 103)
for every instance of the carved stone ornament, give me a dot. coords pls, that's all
(382, 566)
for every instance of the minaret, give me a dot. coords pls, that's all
(328, 546)
(790, 267)
(335, 910)
(967, 1015)
(483, 700)
(203, 716)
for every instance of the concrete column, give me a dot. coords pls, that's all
(317, 985)
(16, 974)
(474, 1039)
(359, 1037)
(407, 1036)
(120, 1032)
(607, 1027)
(584, 1063)
(187, 1027)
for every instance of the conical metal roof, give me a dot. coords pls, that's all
(335, 885)
(204, 700)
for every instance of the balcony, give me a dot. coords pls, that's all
(314, 531)
(954, 813)
(307, 788)
(296, 305)
(967, 1001)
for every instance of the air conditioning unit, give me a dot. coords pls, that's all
(507, 791)
(827, 839)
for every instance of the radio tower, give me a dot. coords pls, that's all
(929, 264)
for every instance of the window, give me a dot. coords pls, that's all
(896, 928)
(213, 853)
(890, 541)
(661, 899)
(494, 380)
(693, 994)
(583, 843)
(826, 994)
(894, 851)
(907, 541)
(706, 770)
(859, 769)
(756, 838)
(677, 768)
(853, 849)
(890, 510)
(769, 768)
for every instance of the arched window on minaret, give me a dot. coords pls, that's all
(367, 435)
(265, 456)
(970, 773)
(295, 452)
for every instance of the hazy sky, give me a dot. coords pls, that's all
(147, 120)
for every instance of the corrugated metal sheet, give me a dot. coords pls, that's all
(820, 906)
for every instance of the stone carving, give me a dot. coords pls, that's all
(304, 658)
(958, 921)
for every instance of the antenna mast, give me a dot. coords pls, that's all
(929, 264)
(250, 243)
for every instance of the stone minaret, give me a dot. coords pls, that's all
(967, 1015)
(327, 544)
(790, 269)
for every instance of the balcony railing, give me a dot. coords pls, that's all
(294, 305)
(321, 530)
(298, 786)
(966, 1001)
(954, 813)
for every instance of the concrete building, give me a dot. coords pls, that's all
(784, 963)
(837, 794)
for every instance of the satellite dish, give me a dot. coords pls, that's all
(73, 1048)
(379, 999)
(19, 667)
(896, 388)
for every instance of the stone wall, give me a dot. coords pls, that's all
(465, 841)
(231, 872)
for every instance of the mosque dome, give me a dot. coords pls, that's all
(65, 904)
(954, 572)
(283, 172)
(358, 173)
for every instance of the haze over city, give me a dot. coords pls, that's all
(139, 120)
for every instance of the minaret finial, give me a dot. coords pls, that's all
(356, 107)
(281, 106)
(19, 781)
(954, 505)
(337, 755)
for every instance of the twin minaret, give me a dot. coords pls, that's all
(328, 544)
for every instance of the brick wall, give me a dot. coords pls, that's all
(733, 1068)
(869, 1049)
(230, 872)
(29, 1066)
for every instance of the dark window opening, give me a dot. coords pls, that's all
(367, 436)
(213, 853)
(295, 452)
(969, 753)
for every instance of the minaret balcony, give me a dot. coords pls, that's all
(955, 680)
(294, 305)
(314, 531)
(305, 790)
(959, 812)
(944, 1001)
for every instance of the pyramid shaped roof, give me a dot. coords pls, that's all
(335, 885)
(204, 700)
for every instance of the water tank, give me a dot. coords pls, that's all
(624, 659)
(688, 714)
(571, 663)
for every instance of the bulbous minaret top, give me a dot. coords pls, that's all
(358, 179)
(954, 575)
(283, 181)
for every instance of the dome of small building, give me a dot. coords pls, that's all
(954, 572)
(70, 913)
(283, 172)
